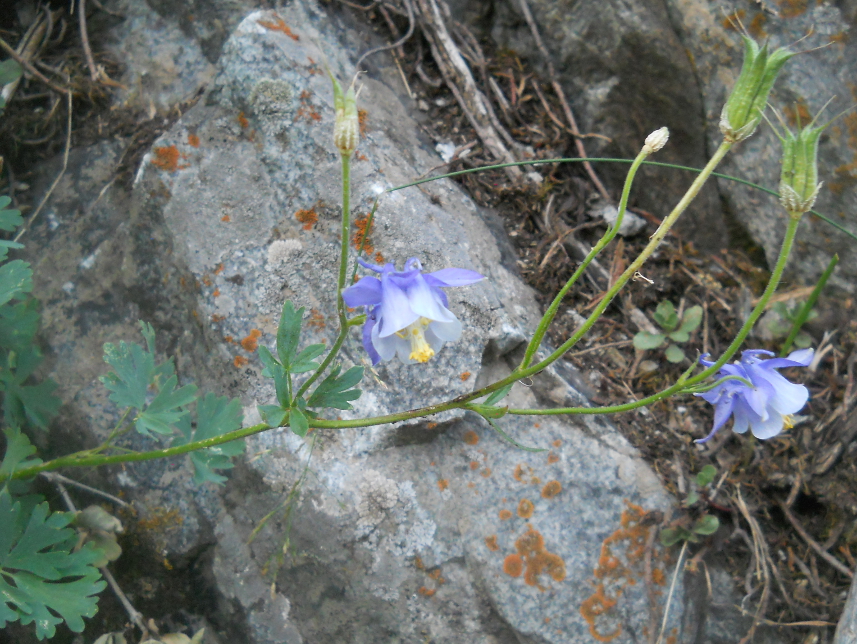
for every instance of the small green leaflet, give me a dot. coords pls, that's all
(42, 580)
(275, 370)
(10, 71)
(498, 395)
(10, 219)
(215, 416)
(273, 415)
(335, 390)
(18, 451)
(289, 333)
(298, 422)
(18, 324)
(166, 409)
(303, 362)
(16, 278)
(134, 371)
(33, 403)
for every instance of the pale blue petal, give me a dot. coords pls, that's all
(386, 347)
(395, 312)
(425, 303)
(741, 414)
(800, 358)
(786, 397)
(768, 428)
(366, 292)
(374, 356)
(453, 277)
(447, 331)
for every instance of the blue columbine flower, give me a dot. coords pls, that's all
(766, 407)
(406, 312)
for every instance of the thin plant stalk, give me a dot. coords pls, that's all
(805, 310)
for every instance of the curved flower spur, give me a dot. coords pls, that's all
(766, 406)
(406, 311)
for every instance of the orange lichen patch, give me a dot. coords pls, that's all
(535, 480)
(557, 443)
(242, 120)
(431, 426)
(792, 8)
(427, 592)
(505, 515)
(513, 565)
(474, 465)
(279, 25)
(595, 606)
(435, 574)
(161, 520)
(464, 376)
(379, 258)
(315, 320)
(797, 114)
(362, 121)
(360, 156)
(206, 280)
(193, 140)
(218, 269)
(756, 26)
(228, 338)
(551, 489)
(470, 437)
(531, 550)
(442, 484)
(362, 237)
(537, 425)
(217, 318)
(225, 219)
(491, 543)
(216, 293)
(486, 472)
(525, 508)
(167, 158)
(251, 342)
(308, 217)
(240, 361)
(519, 473)
(552, 458)
(418, 563)
(622, 556)
(471, 485)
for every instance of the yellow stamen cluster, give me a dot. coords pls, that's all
(788, 421)
(415, 333)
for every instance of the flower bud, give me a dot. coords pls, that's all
(799, 184)
(743, 109)
(346, 128)
(656, 140)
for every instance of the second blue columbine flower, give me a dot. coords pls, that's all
(766, 406)
(406, 311)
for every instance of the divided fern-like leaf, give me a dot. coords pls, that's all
(21, 402)
(216, 415)
(336, 391)
(43, 581)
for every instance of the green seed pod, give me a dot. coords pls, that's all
(799, 184)
(743, 109)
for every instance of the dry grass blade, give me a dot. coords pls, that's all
(763, 564)
(812, 543)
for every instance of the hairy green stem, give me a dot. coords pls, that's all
(776, 276)
(340, 281)
(608, 236)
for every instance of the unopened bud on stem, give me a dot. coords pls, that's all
(799, 183)
(656, 140)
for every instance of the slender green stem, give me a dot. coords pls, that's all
(340, 281)
(608, 236)
(806, 309)
(777, 274)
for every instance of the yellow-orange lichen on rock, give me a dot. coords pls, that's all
(251, 342)
(552, 458)
(525, 509)
(491, 543)
(513, 565)
(622, 556)
(470, 437)
(442, 484)
(505, 515)
(551, 489)
(531, 550)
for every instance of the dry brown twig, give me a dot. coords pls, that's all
(763, 564)
(812, 543)
(460, 81)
